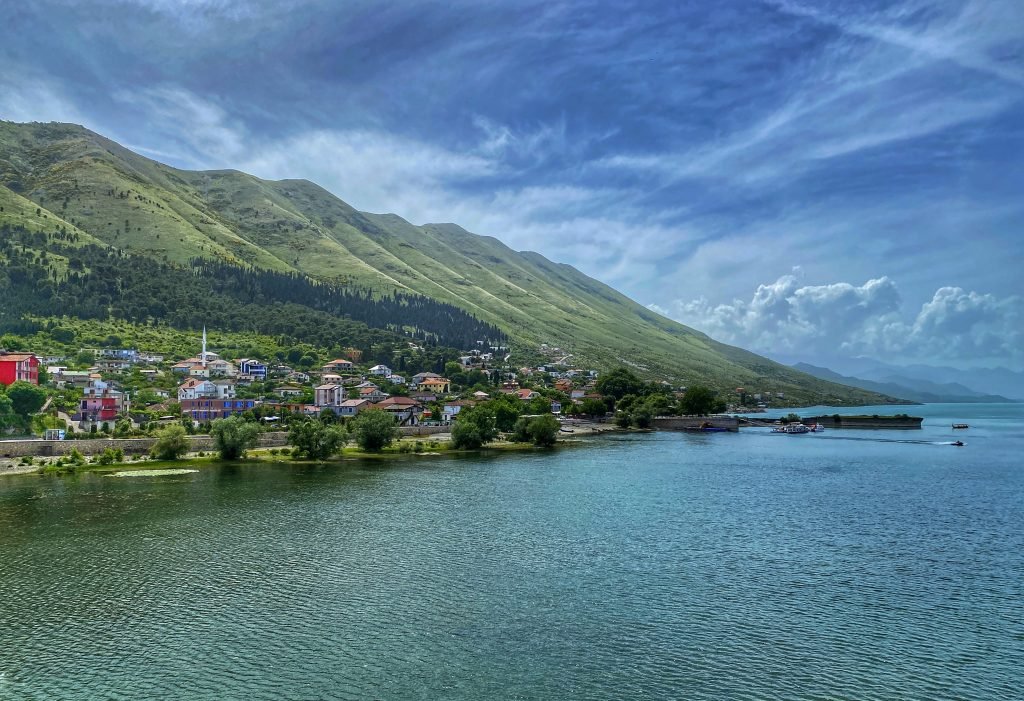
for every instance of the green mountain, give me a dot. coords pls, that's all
(63, 176)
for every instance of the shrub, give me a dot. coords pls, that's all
(109, 456)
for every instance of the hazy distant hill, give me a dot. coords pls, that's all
(907, 388)
(62, 175)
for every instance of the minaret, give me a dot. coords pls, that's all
(203, 356)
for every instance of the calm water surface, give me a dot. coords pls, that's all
(846, 565)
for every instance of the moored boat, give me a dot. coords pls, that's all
(791, 429)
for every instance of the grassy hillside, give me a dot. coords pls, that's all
(94, 186)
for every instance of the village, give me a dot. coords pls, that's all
(127, 391)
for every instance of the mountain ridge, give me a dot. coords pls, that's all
(907, 388)
(122, 199)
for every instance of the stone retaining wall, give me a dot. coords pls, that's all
(423, 430)
(130, 446)
(690, 423)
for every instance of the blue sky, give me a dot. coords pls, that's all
(813, 179)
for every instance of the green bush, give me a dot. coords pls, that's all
(109, 456)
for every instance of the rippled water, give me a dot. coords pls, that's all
(748, 566)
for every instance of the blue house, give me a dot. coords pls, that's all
(253, 368)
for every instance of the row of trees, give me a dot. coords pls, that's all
(315, 439)
(636, 402)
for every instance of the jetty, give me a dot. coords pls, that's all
(696, 423)
(899, 421)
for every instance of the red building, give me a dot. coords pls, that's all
(18, 366)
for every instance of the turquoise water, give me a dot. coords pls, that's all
(845, 565)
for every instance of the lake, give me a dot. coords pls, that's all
(843, 565)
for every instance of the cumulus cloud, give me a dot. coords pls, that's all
(788, 317)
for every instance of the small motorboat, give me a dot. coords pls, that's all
(959, 443)
(817, 428)
(961, 426)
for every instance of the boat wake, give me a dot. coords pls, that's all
(910, 441)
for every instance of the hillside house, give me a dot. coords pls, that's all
(452, 409)
(372, 394)
(380, 371)
(100, 402)
(19, 367)
(396, 379)
(253, 368)
(438, 385)
(285, 391)
(421, 376)
(207, 409)
(340, 365)
(556, 406)
(527, 394)
(130, 355)
(351, 407)
(222, 368)
(329, 394)
(407, 412)
(195, 387)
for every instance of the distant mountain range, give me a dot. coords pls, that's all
(64, 178)
(906, 387)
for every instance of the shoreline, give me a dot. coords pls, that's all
(199, 459)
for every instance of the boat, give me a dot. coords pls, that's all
(961, 426)
(791, 429)
(817, 428)
(959, 443)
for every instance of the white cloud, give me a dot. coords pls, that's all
(29, 97)
(788, 317)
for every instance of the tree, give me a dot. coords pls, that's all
(316, 440)
(233, 436)
(507, 408)
(374, 429)
(26, 398)
(620, 382)
(593, 407)
(643, 417)
(698, 401)
(474, 427)
(7, 416)
(171, 443)
(540, 430)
